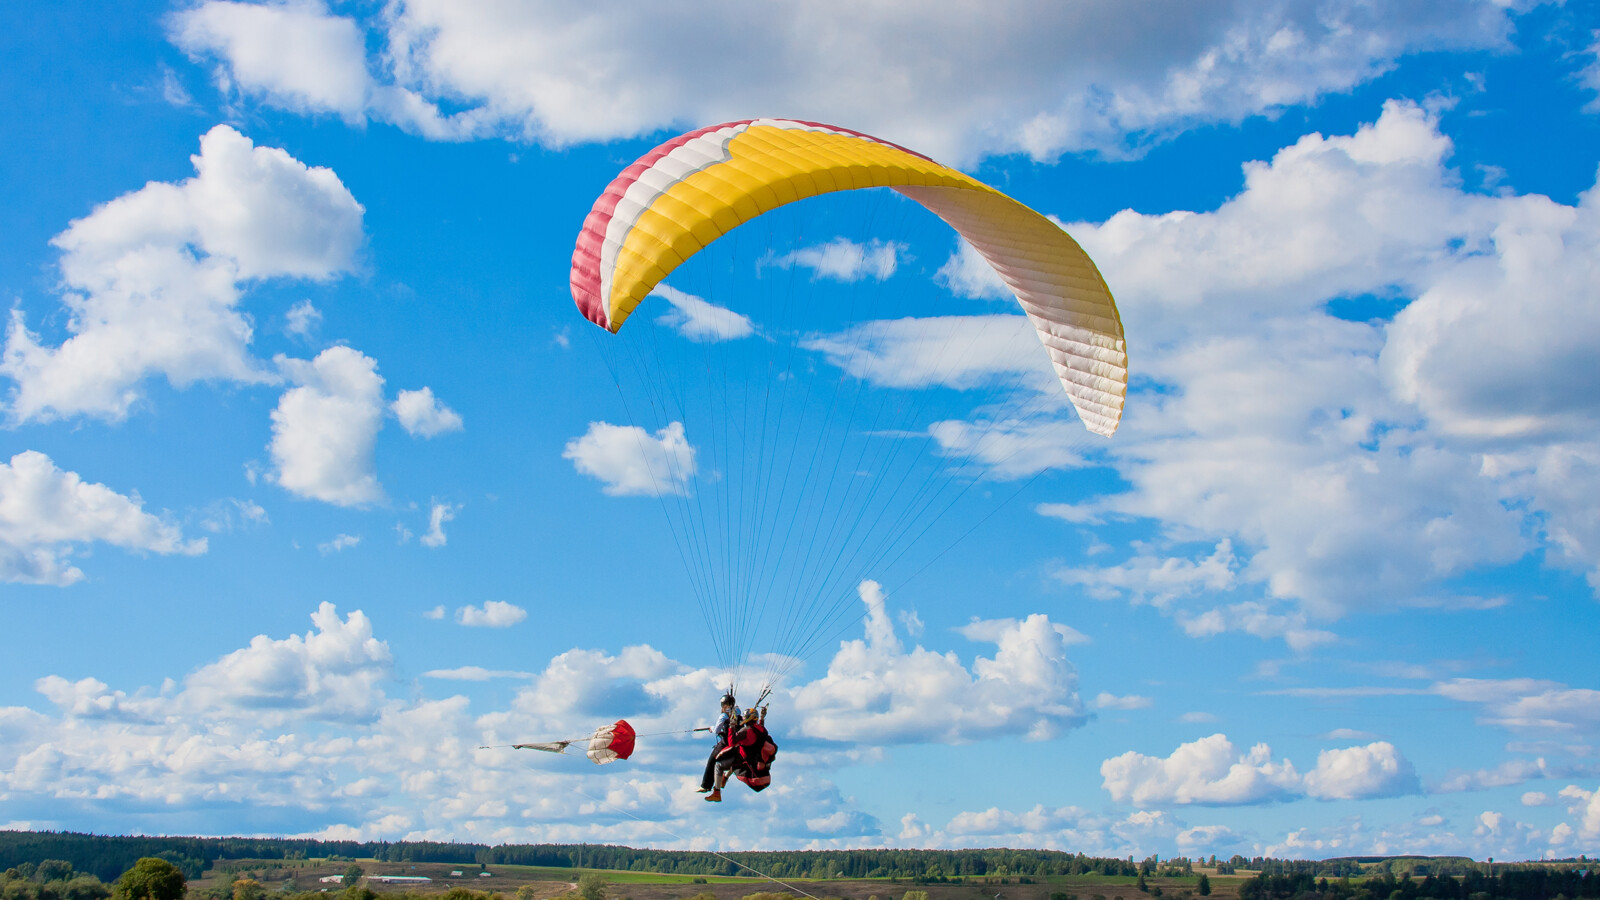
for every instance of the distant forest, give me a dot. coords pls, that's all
(111, 855)
(1508, 883)
(107, 857)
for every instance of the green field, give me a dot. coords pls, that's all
(552, 881)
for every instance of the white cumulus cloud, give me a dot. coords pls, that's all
(877, 690)
(473, 673)
(299, 57)
(700, 320)
(1012, 448)
(324, 429)
(492, 614)
(1585, 805)
(632, 462)
(955, 82)
(296, 56)
(967, 274)
(302, 727)
(1211, 772)
(842, 259)
(1528, 704)
(1206, 771)
(944, 351)
(46, 512)
(590, 682)
(1510, 772)
(1375, 770)
(1420, 468)
(422, 415)
(1157, 580)
(302, 319)
(437, 516)
(152, 280)
(334, 671)
(338, 543)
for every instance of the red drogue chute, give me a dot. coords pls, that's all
(611, 743)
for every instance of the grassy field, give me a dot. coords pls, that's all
(628, 885)
(307, 874)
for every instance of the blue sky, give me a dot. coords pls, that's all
(314, 480)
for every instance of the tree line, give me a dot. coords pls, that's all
(107, 856)
(907, 864)
(1399, 866)
(50, 879)
(1510, 883)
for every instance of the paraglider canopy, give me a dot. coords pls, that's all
(695, 188)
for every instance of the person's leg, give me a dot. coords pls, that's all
(727, 769)
(721, 779)
(707, 781)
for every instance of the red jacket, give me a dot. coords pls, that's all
(755, 750)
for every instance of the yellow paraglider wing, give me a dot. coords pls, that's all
(695, 188)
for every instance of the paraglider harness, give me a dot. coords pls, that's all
(749, 754)
(749, 748)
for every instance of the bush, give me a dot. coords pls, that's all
(592, 886)
(85, 887)
(79, 887)
(151, 879)
(53, 870)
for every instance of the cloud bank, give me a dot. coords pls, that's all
(1044, 79)
(1210, 771)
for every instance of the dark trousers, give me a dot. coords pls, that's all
(708, 781)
